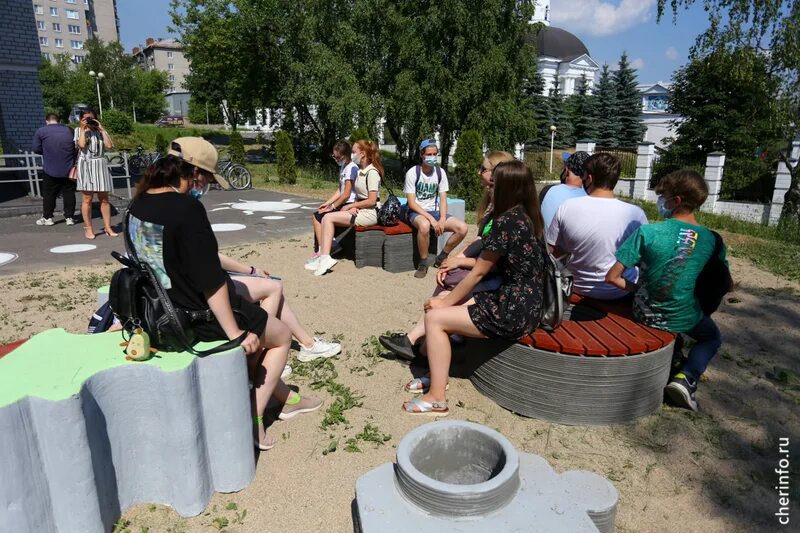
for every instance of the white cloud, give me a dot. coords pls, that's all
(671, 53)
(598, 17)
(637, 63)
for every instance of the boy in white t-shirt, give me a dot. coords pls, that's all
(345, 195)
(426, 194)
(591, 228)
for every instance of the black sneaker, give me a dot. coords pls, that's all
(440, 259)
(422, 270)
(399, 344)
(680, 391)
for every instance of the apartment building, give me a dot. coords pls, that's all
(165, 55)
(64, 26)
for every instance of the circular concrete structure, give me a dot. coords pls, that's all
(457, 469)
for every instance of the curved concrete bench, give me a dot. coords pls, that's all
(599, 367)
(85, 434)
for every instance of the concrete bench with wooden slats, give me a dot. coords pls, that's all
(599, 367)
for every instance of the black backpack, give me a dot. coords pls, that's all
(714, 281)
(140, 301)
(391, 210)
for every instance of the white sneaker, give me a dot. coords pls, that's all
(70, 221)
(287, 371)
(312, 263)
(45, 222)
(320, 349)
(326, 263)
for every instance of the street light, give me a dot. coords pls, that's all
(552, 140)
(97, 77)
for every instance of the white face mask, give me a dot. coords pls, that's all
(356, 159)
(431, 160)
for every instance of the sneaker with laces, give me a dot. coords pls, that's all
(303, 405)
(326, 263)
(422, 270)
(680, 390)
(440, 259)
(69, 221)
(312, 263)
(399, 344)
(319, 350)
(287, 371)
(45, 222)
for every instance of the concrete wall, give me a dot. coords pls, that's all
(21, 105)
(105, 18)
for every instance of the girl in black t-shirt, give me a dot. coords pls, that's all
(511, 311)
(170, 230)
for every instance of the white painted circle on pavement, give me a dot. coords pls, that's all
(273, 217)
(73, 248)
(265, 206)
(6, 257)
(286, 200)
(312, 208)
(227, 227)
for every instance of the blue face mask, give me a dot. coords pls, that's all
(431, 160)
(663, 212)
(197, 193)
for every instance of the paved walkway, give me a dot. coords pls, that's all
(238, 217)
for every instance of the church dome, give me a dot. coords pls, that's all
(558, 43)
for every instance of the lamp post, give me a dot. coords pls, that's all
(97, 77)
(552, 140)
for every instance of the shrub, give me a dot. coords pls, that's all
(118, 122)
(260, 139)
(284, 155)
(161, 144)
(236, 148)
(358, 134)
(468, 158)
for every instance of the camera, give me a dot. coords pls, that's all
(92, 122)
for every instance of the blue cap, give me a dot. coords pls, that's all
(427, 142)
(565, 155)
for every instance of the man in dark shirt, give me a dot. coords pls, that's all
(55, 143)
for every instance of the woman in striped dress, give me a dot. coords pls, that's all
(92, 141)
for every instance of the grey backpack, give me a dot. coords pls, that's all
(557, 291)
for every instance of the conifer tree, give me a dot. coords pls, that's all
(605, 98)
(627, 105)
(581, 111)
(558, 117)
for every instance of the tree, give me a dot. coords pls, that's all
(468, 158)
(236, 148)
(285, 161)
(53, 77)
(118, 122)
(559, 118)
(147, 94)
(605, 98)
(580, 108)
(627, 105)
(117, 87)
(201, 112)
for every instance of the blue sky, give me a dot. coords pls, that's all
(607, 27)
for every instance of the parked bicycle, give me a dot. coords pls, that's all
(138, 161)
(237, 175)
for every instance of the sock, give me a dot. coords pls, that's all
(293, 399)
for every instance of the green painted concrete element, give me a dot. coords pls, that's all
(53, 365)
(104, 289)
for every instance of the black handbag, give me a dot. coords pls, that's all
(391, 210)
(714, 281)
(140, 301)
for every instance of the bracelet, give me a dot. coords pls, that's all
(252, 271)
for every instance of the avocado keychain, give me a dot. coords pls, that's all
(137, 348)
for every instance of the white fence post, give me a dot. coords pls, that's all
(585, 145)
(715, 165)
(519, 151)
(644, 168)
(794, 152)
(783, 180)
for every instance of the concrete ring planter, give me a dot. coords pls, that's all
(457, 469)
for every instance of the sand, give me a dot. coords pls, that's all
(712, 471)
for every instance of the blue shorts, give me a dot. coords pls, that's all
(411, 215)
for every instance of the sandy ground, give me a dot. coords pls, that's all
(675, 470)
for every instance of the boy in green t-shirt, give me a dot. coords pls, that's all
(672, 254)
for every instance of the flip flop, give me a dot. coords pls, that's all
(418, 406)
(420, 385)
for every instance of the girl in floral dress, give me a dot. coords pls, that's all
(512, 311)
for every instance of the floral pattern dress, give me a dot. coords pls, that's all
(515, 308)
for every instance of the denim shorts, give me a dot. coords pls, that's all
(411, 215)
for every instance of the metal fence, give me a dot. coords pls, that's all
(537, 158)
(627, 159)
(666, 162)
(26, 168)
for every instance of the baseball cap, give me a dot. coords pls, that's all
(574, 163)
(198, 152)
(427, 142)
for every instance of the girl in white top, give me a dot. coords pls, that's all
(346, 194)
(362, 212)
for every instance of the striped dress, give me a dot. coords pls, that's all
(93, 174)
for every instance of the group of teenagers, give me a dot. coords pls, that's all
(492, 288)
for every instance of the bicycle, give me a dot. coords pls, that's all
(237, 176)
(137, 162)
